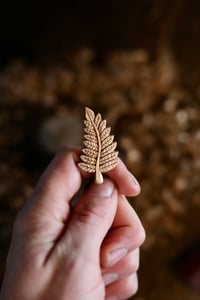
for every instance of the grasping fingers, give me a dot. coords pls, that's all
(126, 183)
(122, 289)
(120, 252)
(124, 268)
(125, 235)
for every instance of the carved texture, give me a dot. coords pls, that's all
(99, 155)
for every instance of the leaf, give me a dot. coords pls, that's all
(90, 144)
(90, 152)
(108, 157)
(87, 167)
(109, 149)
(106, 142)
(102, 126)
(105, 133)
(89, 114)
(90, 137)
(99, 155)
(98, 120)
(89, 131)
(88, 159)
(108, 166)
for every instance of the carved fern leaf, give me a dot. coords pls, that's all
(99, 155)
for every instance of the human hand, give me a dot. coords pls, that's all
(90, 251)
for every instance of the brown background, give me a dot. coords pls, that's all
(144, 57)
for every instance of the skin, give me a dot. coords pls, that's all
(88, 251)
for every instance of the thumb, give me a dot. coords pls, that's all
(94, 215)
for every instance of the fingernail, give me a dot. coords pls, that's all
(134, 180)
(135, 279)
(102, 190)
(116, 255)
(108, 278)
(135, 282)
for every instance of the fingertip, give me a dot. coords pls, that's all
(134, 185)
(140, 235)
(126, 183)
(104, 190)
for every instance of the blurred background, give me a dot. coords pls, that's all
(135, 62)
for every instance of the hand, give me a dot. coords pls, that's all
(90, 251)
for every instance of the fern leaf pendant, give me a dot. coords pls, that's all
(99, 155)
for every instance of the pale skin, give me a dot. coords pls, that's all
(87, 252)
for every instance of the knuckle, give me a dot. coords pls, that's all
(134, 261)
(130, 264)
(124, 288)
(131, 285)
(20, 222)
(86, 217)
(28, 222)
(140, 235)
(89, 212)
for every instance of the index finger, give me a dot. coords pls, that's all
(57, 186)
(127, 184)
